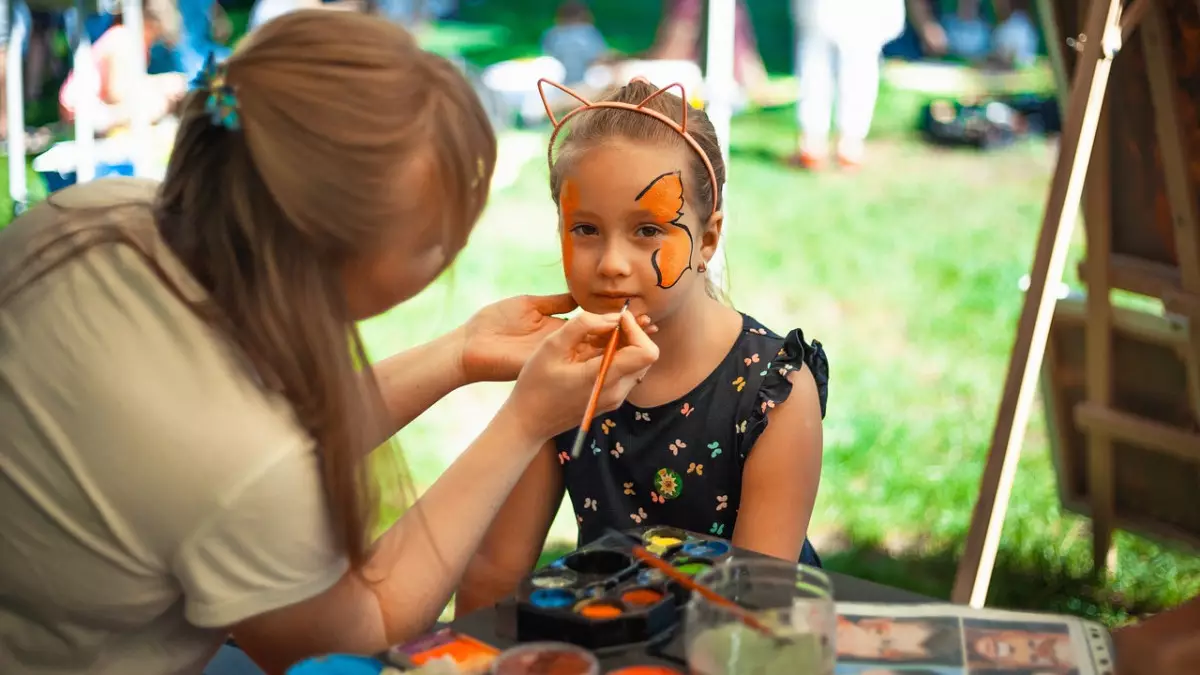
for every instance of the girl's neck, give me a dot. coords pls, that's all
(692, 342)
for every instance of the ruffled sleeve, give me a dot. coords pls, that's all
(776, 387)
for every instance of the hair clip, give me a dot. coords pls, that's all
(680, 128)
(221, 104)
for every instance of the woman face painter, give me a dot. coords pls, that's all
(186, 403)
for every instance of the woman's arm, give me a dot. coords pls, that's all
(413, 380)
(779, 483)
(512, 545)
(492, 345)
(413, 567)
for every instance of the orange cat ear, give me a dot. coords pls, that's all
(546, 102)
(682, 97)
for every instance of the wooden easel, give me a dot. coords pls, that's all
(1085, 135)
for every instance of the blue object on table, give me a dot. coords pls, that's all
(338, 664)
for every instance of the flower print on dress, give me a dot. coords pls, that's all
(668, 484)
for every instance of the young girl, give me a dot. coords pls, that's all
(723, 434)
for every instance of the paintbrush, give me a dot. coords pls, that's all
(739, 612)
(605, 362)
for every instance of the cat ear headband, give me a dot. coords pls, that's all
(680, 128)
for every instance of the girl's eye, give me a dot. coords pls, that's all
(585, 229)
(649, 231)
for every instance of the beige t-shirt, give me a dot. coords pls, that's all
(151, 493)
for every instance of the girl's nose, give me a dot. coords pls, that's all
(614, 262)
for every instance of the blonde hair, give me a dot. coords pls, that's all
(594, 127)
(335, 109)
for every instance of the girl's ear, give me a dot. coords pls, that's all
(711, 236)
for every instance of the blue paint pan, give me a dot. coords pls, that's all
(552, 598)
(705, 549)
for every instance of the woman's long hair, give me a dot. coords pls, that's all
(336, 109)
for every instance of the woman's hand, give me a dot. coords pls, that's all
(498, 339)
(553, 388)
(496, 342)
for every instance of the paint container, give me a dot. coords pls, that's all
(640, 597)
(546, 658)
(646, 670)
(660, 540)
(713, 548)
(465, 653)
(600, 610)
(604, 562)
(691, 566)
(554, 577)
(552, 598)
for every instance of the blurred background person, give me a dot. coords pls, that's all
(838, 56)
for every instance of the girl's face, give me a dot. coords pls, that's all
(630, 230)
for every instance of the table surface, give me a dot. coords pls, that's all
(485, 624)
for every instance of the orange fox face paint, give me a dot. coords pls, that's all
(568, 203)
(663, 199)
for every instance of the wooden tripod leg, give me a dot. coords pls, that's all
(1050, 257)
(1098, 339)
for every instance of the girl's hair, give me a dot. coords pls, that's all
(336, 110)
(597, 126)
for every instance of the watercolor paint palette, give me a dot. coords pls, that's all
(601, 596)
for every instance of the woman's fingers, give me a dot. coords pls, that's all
(629, 364)
(647, 324)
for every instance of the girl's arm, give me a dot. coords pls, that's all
(779, 483)
(512, 545)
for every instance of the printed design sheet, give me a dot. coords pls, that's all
(943, 639)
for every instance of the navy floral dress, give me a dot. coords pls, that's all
(680, 464)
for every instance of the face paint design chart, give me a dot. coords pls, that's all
(954, 640)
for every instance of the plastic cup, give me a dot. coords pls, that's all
(795, 601)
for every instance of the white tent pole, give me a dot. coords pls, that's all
(14, 91)
(719, 91)
(131, 13)
(85, 133)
